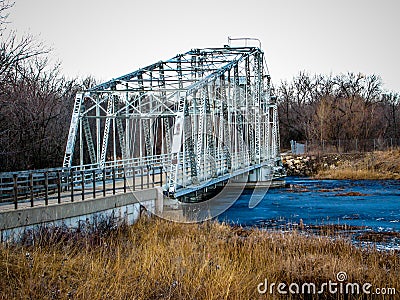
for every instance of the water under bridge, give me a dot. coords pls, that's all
(185, 125)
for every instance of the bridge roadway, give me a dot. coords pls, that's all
(55, 186)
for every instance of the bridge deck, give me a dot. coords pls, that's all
(66, 192)
(79, 192)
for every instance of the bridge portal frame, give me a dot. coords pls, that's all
(205, 115)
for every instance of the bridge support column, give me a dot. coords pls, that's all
(262, 174)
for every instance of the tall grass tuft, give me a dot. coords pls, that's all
(157, 259)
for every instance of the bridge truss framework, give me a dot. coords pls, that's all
(203, 116)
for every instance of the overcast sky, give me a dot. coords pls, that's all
(107, 39)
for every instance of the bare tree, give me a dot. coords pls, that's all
(35, 113)
(391, 106)
(345, 106)
(5, 5)
(35, 103)
(14, 52)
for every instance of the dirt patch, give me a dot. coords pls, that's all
(333, 228)
(294, 188)
(330, 190)
(377, 236)
(351, 194)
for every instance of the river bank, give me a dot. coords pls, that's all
(369, 165)
(157, 259)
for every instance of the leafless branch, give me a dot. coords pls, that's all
(5, 5)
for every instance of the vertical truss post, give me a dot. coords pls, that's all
(128, 110)
(106, 131)
(98, 130)
(188, 136)
(192, 122)
(221, 126)
(275, 132)
(264, 108)
(258, 94)
(239, 117)
(165, 120)
(179, 71)
(145, 122)
(121, 133)
(200, 69)
(250, 107)
(269, 132)
(201, 139)
(81, 148)
(88, 137)
(210, 119)
(73, 128)
(176, 145)
(193, 67)
(114, 133)
(180, 86)
(226, 124)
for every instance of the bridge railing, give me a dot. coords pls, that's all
(59, 185)
(52, 186)
(218, 167)
(155, 160)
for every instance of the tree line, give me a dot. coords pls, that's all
(36, 101)
(346, 106)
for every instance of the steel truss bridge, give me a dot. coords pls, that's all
(195, 120)
(203, 116)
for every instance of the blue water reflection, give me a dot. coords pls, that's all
(371, 203)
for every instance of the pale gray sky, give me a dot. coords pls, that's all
(107, 39)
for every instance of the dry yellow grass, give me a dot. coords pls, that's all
(374, 165)
(156, 259)
(354, 174)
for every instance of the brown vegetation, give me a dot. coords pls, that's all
(156, 259)
(35, 102)
(351, 194)
(373, 165)
(343, 107)
(368, 165)
(377, 236)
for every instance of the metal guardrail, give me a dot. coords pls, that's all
(59, 184)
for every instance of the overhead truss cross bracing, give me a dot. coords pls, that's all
(201, 115)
